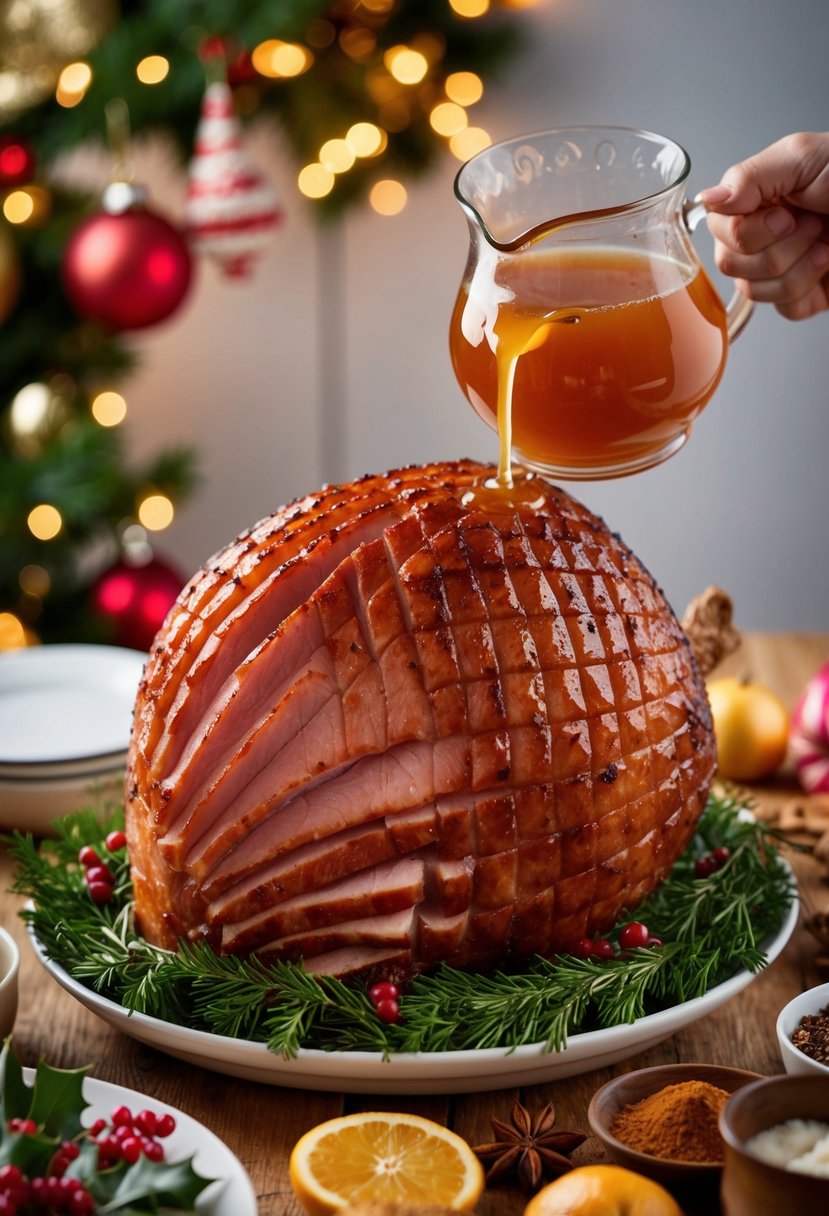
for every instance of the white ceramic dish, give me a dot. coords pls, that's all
(231, 1194)
(795, 1061)
(9, 967)
(64, 704)
(415, 1073)
(33, 805)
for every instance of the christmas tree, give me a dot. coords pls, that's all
(367, 91)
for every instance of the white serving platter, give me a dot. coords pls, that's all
(418, 1072)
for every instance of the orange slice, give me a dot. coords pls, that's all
(384, 1157)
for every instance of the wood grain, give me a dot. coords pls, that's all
(260, 1123)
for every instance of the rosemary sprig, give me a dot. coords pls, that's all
(712, 928)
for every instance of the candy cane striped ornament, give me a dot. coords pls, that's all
(231, 208)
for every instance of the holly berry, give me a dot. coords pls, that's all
(383, 991)
(88, 857)
(721, 856)
(602, 948)
(116, 841)
(100, 892)
(165, 1126)
(633, 935)
(705, 866)
(100, 873)
(583, 948)
(388, 1010)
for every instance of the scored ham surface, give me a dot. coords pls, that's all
(382, 730)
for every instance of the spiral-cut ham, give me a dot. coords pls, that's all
(384, 729)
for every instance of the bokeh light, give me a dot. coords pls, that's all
(315, 181)
(465, 88)
(388, 197)
(447, 118)
(44, 521)
(108, 408)
(156, 512)
(469, 143)
(406, 66)
(153, 69)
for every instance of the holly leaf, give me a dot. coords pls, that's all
(15, 1094)
(58, 1101)
(147, 1186)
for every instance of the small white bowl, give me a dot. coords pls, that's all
(9, 964)
(796, 1061)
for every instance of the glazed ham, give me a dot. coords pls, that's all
(383, 730)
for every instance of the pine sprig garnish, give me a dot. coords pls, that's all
(712, 927)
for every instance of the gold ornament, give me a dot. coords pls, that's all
(37, 38)
(9, 272)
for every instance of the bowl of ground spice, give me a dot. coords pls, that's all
(664, 1121)
(803, 1033)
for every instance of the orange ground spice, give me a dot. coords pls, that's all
(679, 1122)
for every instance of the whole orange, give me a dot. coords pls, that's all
(602, 1190)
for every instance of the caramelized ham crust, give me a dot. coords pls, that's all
(383, 730)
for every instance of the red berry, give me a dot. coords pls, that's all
(8, 1207)
(116, 841)
(383, 991)
(720, 856)
(100, 892)
(97, 1127)
(121, 1117)
(153, 1151)
(653, 940)
(704, 867)
(583, 948)
(81, 1203)
(88, 857)
(70, 1150)
(388, 1010)
(131, 1148)
(10, 1173)
(100, 873)
(602, 948)
(165, 1126)
(121, 1132)
(633, 935)
(146, 1122)
(109, 1151)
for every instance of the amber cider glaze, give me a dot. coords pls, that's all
(589, 354)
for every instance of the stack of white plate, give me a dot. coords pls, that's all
(65, 719)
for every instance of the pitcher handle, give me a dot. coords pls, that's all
(739, 307)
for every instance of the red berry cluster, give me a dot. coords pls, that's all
(705, 866)
(126, 1137)
(632, 936)
(100, 880)
(52, 1194)
(385, 997)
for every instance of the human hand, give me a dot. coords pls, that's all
(769, 217)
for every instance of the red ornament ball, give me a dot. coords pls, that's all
(126, 270)
(132, 601)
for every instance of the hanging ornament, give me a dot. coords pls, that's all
(231, 207)
(132, 598)
(126, 267)
(17, 162)
(9, 272)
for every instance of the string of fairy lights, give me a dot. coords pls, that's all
(404, 82)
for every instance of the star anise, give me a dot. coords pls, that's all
(528, 1147)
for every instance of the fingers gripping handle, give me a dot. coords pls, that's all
(739, 307)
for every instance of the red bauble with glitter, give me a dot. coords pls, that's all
(131, 601)
(127, 267)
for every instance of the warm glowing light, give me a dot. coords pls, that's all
(469, 143)
(336, 155)
(109, 408)
(366, 139)
(12, 632)
(358, 42)
(377, 6)
(30, 409)
(315, 181)
(275, 58)
(156, 512)
(447, 118)
(388, 197)
(34, 580)
(406, 66)
(152, 69)
(44, 521)
(18, 206)
(72, 84)
(469, 8)
(465, 88)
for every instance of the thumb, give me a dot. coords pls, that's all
(793, 169)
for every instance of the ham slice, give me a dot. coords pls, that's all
(384, 730)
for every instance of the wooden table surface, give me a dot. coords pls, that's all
(260, 1123)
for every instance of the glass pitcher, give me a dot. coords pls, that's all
(586, 330)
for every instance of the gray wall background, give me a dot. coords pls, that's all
(333, 359)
